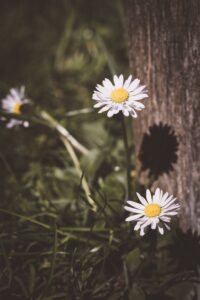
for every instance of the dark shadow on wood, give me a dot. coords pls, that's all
(158, 150)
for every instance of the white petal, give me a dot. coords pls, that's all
(138, 105)
(156, 196)
(108, 85)
(137, 226)
(147, 222)
(115, 79)
(154, 223)
(173, 213)
(95, 96)
(116, 108)
(142, 232)
(161, 230)
(138, 97)
(133, 113)
(133, 85)
(134, 217)
(167, 226)
(105, 108)
(139, 90)
(99, 104)
(110, 113)
(135, 204)
(148, 196)
(103, 90)
(168, 203)
(127, 82)
(142, 199)
(13, 123)
(173, 207)
(138, 211)
(15, 94)
(157, 193)
(164, 197)
(165, 219)
(121, 81)
(125, 112)
(167, 200)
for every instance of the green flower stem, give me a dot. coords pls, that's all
(128, 157)
(68, 142)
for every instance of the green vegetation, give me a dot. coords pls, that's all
(52, 244)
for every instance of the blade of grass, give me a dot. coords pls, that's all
(61, 232)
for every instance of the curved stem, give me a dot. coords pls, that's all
(63, 132)
(80, 173)
(128, 157)
(69, 142)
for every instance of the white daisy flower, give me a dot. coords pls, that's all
(121, 96)
(154, 211)
(12, 104)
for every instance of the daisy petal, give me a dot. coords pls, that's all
(139, 97)
(105, 108)
(161, 230)
(132, 218)
(127, 82)
(139, 89)
(135, 204)
(142, 199)
(133, 113)
(108, 84)
(148, 195)
(142, 232)
(131, 209)
(133, 85)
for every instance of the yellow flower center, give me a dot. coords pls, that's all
(16, 108)
(152, 210)
(119, 95)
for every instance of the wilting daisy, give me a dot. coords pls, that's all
(12, 104)
(154, 211)
(123, 95)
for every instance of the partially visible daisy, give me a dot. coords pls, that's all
(154, 211)
(123, 95)
(13, 103)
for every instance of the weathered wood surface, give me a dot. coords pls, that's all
(164, 51)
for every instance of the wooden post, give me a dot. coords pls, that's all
(164, 51)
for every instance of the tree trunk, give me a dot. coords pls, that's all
(164, 51)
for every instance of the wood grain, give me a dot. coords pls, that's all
(164, 51)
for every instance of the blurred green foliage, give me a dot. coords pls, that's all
(52, 246)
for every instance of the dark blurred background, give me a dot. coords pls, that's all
(59, 50)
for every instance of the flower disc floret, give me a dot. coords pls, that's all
(17, 108)
(152, 210)
(119, 95)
